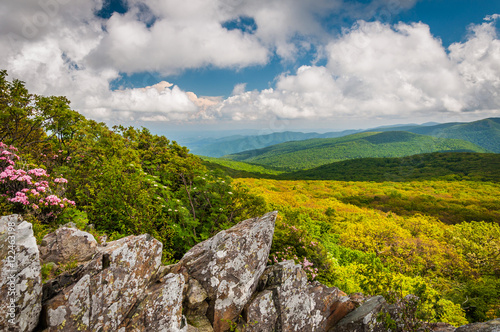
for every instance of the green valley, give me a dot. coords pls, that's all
(438, 165)
(315, 152)
(437, 239)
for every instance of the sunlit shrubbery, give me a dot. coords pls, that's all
(453, 269)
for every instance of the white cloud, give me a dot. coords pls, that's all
(375, 70)
(478, 62)
(59, 47)
(239, 89)
(49, 45)
(175, 42)
(388, 70)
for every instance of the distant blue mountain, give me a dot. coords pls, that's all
(484, 133)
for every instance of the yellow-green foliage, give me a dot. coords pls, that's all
(394, 246)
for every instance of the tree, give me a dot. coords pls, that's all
(29, 121)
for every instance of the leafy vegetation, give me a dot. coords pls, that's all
(445, 166)
(395, 247)
(238, 169)
(316, 152)
(449, 166)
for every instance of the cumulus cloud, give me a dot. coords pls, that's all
(60, 47)
(478, 62)
(376, 70)
(184, 35)
(239, 89)
(49, 46)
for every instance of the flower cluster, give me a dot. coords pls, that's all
(8, 157)
(31, 190)
(289, 253)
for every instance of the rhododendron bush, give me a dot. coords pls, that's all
(30, 190)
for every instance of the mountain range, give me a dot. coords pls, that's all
(484, 133)
(315, 152)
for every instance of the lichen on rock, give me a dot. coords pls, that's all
(229, 266)
(298, 304)
(19, 268)
(67, 244)
(116, 279)
(221, 284)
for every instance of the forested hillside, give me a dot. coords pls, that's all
(234, 168)
(445, 166)
(437, 239)
(235, 144)
(484, 133)
(316, 152)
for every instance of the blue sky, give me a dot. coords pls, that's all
(448, 20)
(187, 66)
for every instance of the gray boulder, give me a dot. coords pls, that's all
(229, 266)
(20, 276)
(160, 309)
(289, 302)
(196, 306)
(67, 244)
(110, 285)
(364, 318)
(489, 326)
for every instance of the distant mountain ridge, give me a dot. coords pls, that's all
(234, 144)
(320, 151)
(448, 166)
(484, 133)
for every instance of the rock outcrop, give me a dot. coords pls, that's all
(115, 280)
(20, 278)
(229, 266)
(288, 302)
(490, 326)
(221, 284)
(364, 318)
(67, 244)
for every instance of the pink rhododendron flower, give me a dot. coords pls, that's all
(38, 172)
(29, 187)
(307, 263)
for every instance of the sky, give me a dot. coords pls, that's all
(186, 67)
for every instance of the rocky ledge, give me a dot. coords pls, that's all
(221, 284)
